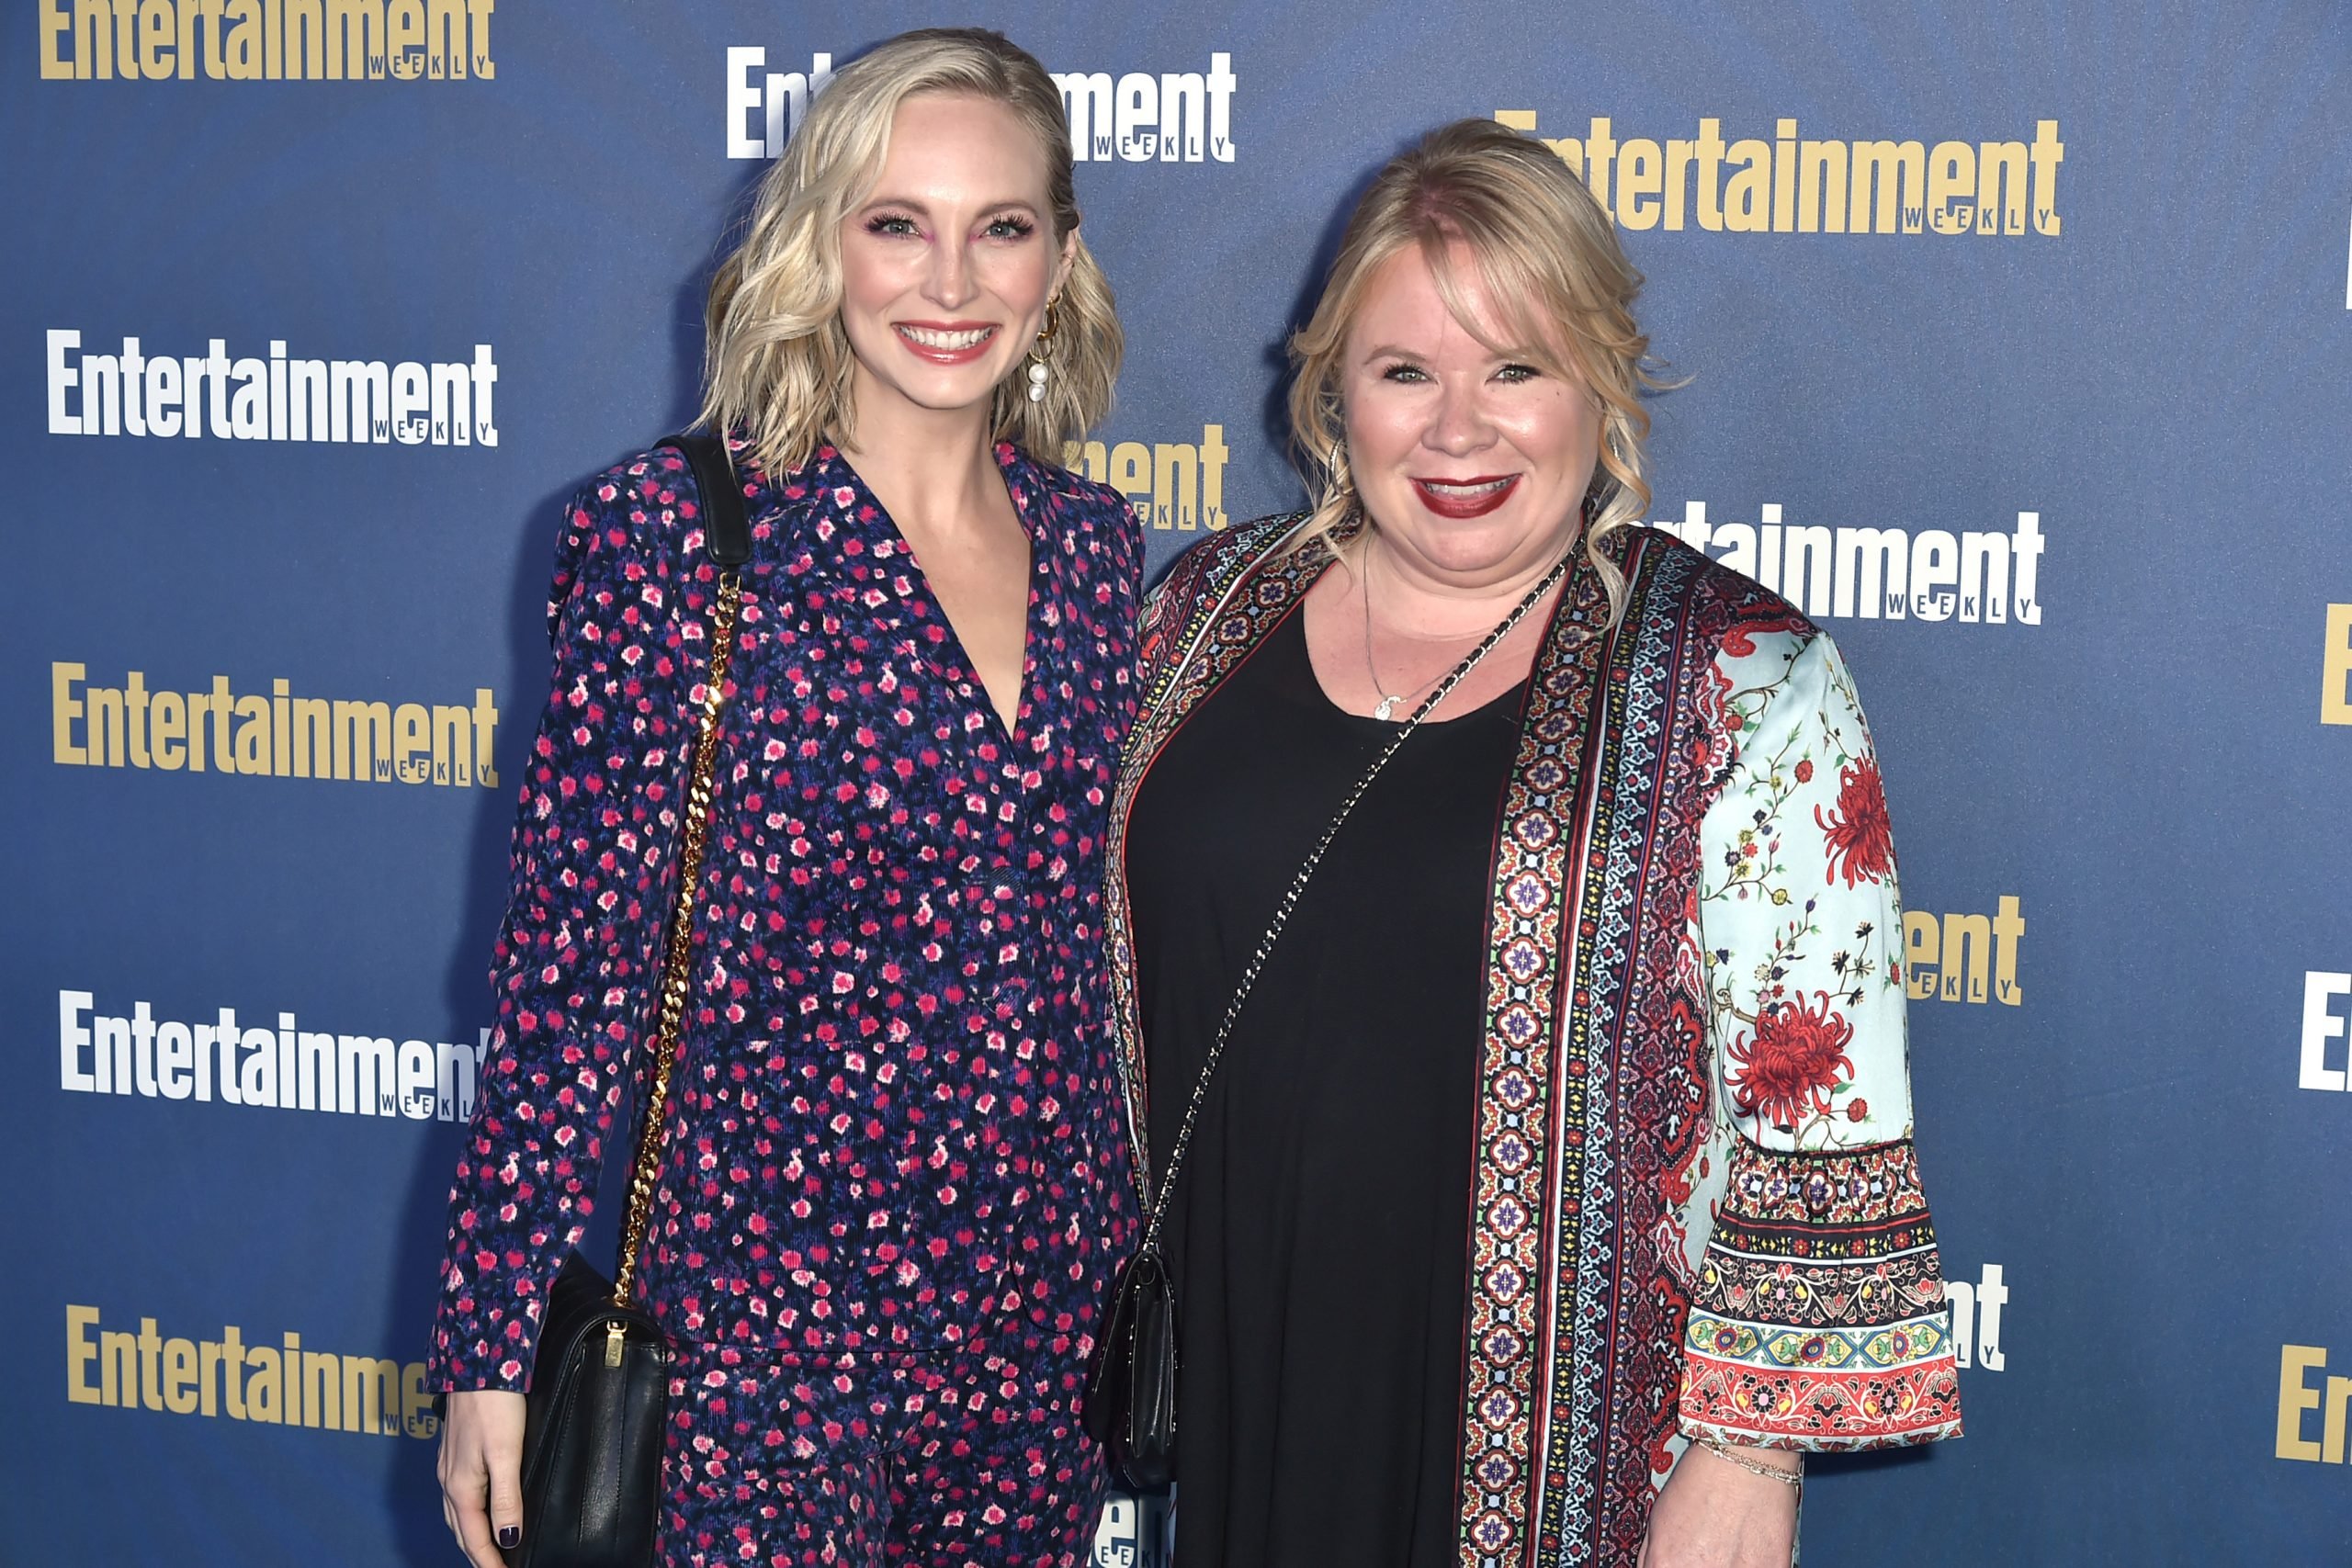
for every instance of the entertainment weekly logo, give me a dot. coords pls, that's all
(135, 391)
(214, 727)
(1976, 577)
(1172, 485)
(278, 1065)
(1133, 116)
(342, 41)
(2335, 667)
(1976, 1306)
(2312, 1406)
(2004, 187)
(267, 1376)
(1124, 1536)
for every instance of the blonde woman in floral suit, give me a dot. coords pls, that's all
(891, 1174)
(1553, 1191)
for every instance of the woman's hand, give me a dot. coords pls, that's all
(481, 1471)
(1715, 1515)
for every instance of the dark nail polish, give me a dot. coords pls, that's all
(510, 1537)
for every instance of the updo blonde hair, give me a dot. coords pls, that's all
(778, 363)
(1552, 271)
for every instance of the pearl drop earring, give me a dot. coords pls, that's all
(1040, 352)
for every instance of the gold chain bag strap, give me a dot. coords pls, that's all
(593, 1432)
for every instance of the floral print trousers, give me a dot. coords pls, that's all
(951, 1459)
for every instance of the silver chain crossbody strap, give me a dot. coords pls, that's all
(1305, 873)
(1131, 1386)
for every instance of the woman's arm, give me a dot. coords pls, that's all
(574, 966)
(572, 973)
(1719, 1510)
(1819, 1319)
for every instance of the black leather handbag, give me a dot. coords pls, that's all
(1131, 1381)
(595, 1422)
(1131, 1376)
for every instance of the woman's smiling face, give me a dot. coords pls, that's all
(947, 266)
(1472, 463)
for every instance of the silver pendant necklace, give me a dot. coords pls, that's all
(1391, 701)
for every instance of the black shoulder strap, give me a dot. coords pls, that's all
(727, 530)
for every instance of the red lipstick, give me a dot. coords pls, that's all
(1458, 500)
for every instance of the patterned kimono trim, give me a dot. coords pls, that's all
(1591, 1086)
(1820, 1313)
(1515, 1221)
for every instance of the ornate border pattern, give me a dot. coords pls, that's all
(1820, 1318)
(1629, 1309)
(1572, 1371)
(1525, 1177)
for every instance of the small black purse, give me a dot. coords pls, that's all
(1131, 1379)
(594, 1421)
(1131, 1376)
(593, 1430)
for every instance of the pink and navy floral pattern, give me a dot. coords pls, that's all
(894, 1136)
(869, 1459)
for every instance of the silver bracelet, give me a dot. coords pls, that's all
(1723, 1451)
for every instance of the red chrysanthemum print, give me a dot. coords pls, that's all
(1857, 831)
(1792, 1063)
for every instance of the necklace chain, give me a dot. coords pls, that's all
(1391, 701)
(1156, 1203)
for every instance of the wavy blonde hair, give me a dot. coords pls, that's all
(1553, 272)
(778, 361)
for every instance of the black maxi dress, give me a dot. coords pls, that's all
(1318, 1229)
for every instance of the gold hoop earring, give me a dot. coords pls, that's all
(1041, 352)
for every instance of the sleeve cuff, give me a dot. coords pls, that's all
(1819, 1322)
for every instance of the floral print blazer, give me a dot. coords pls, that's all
(894, 1124)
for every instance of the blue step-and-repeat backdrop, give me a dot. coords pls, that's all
(2017, 340)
